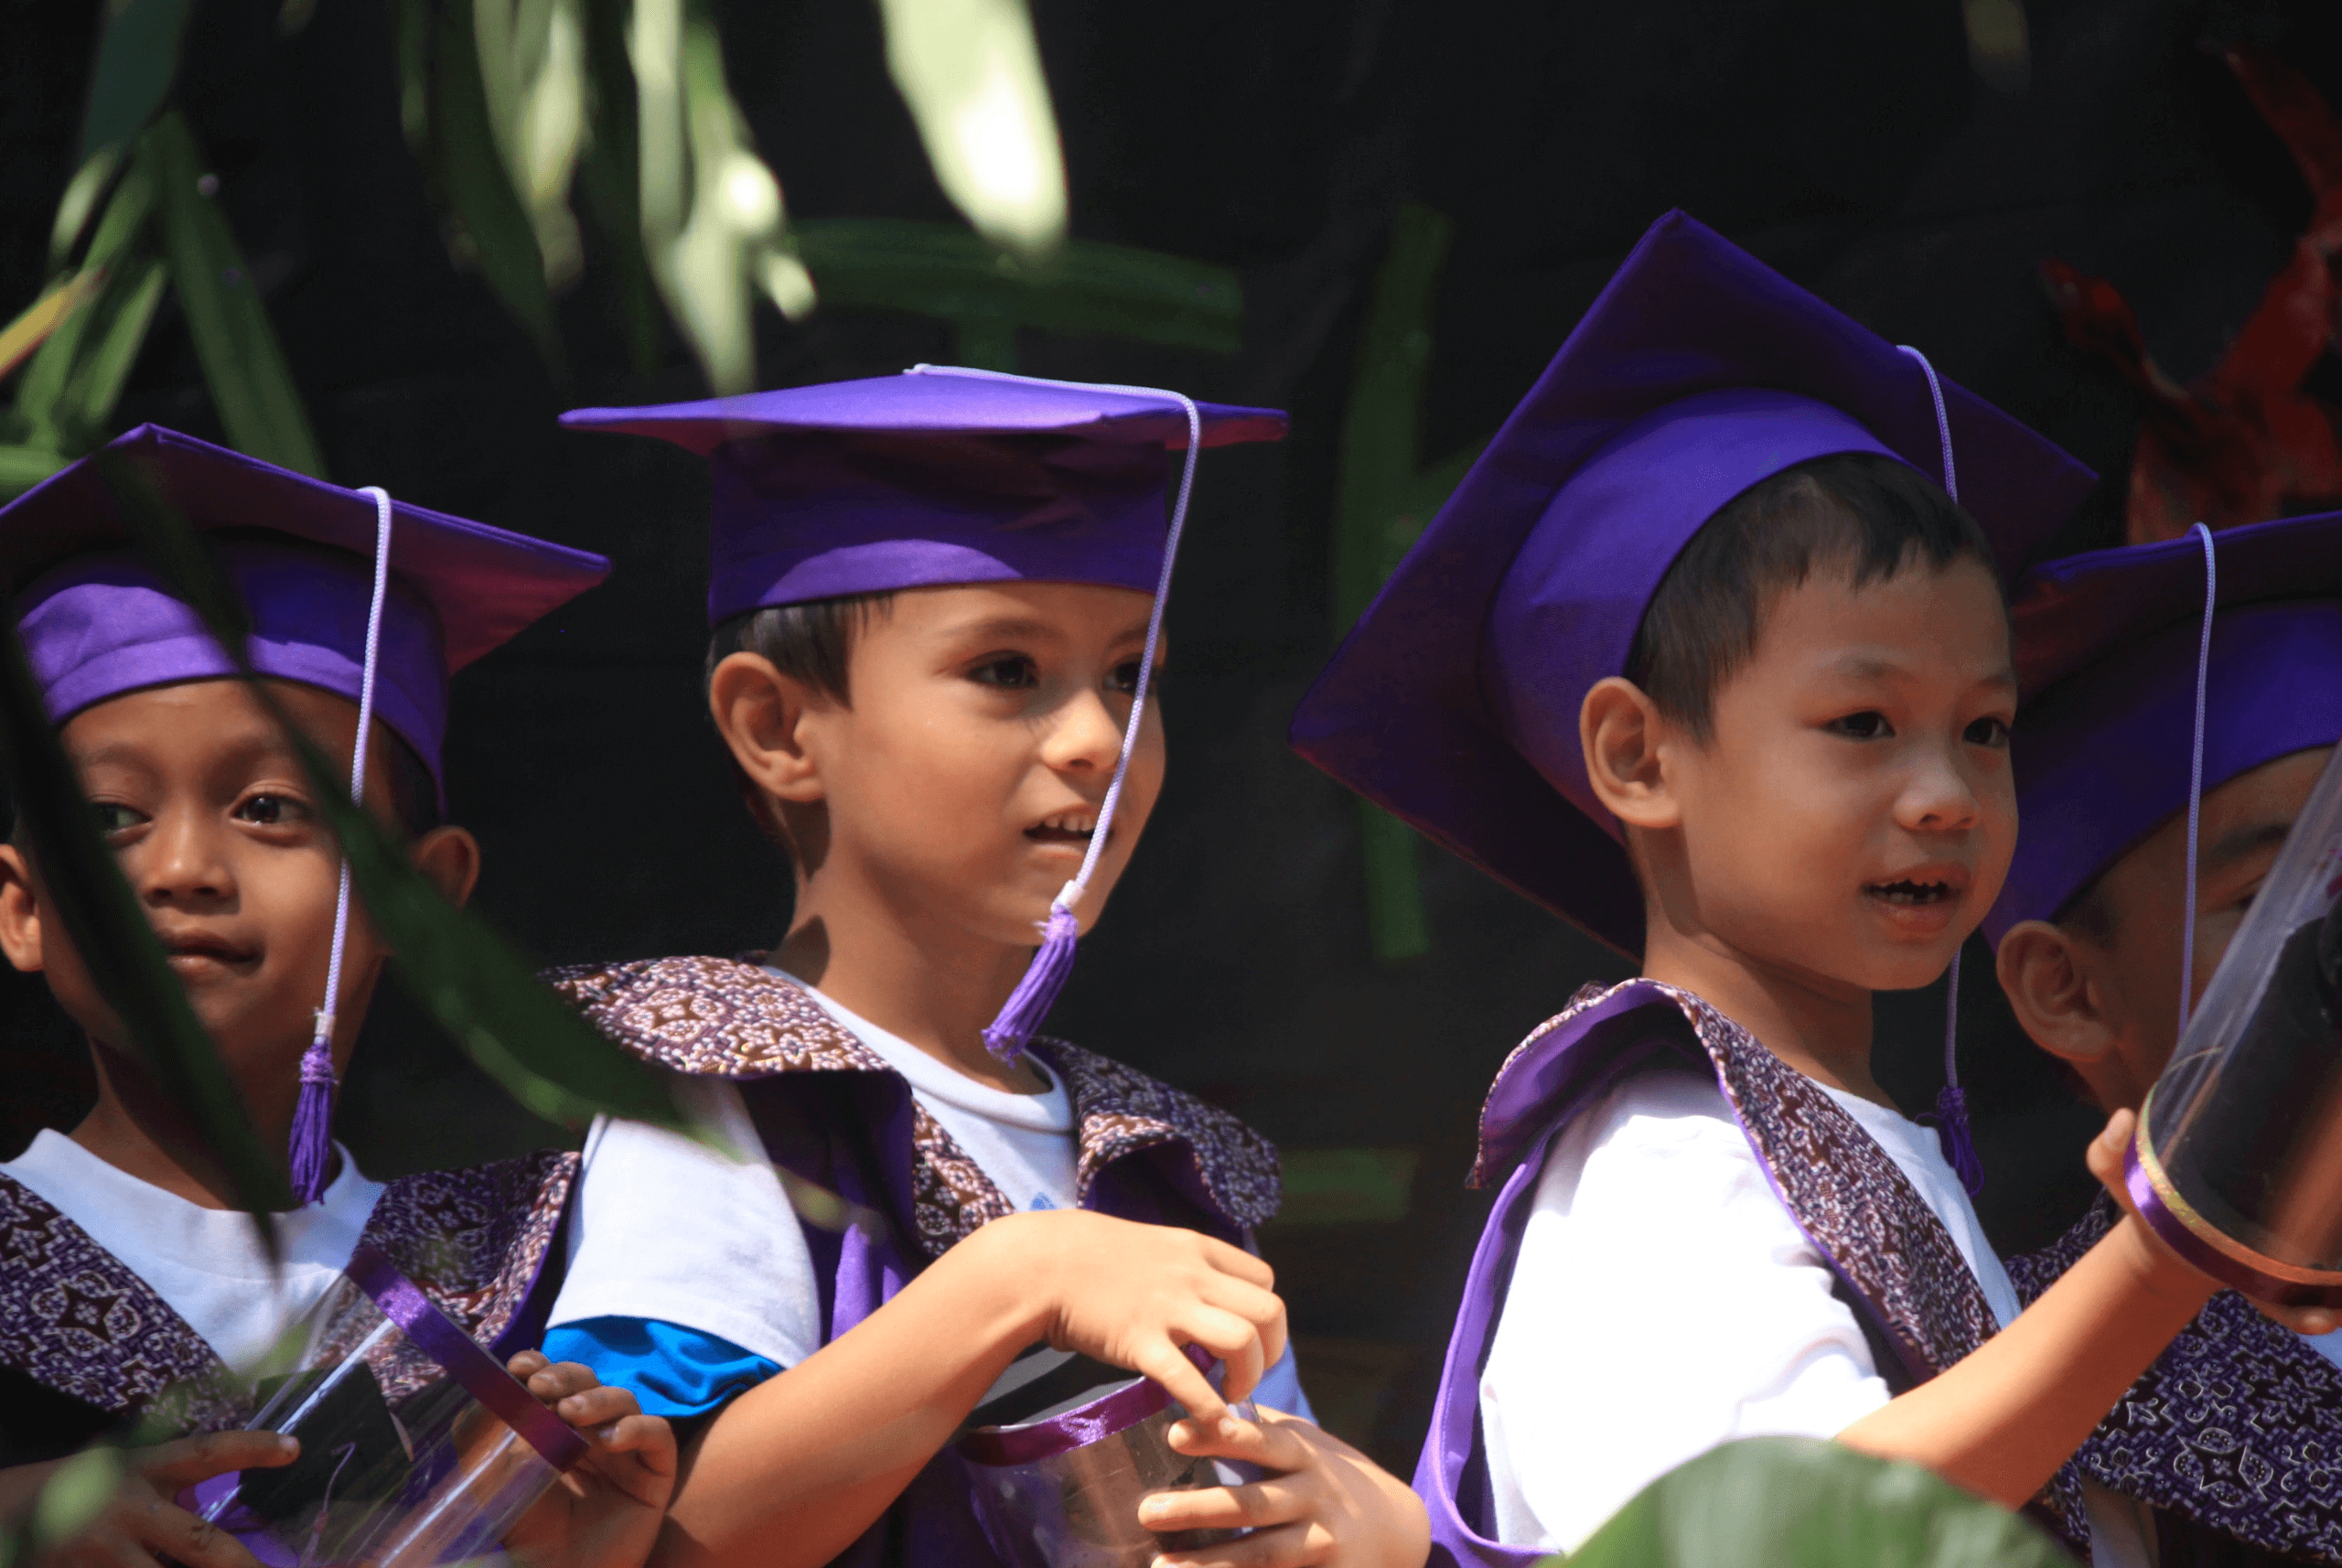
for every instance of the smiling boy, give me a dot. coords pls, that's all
(1703, 656)
(128, 1280)
(2090, 930)
(934, 597)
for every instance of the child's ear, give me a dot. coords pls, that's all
(19, 911)
(761, 713)
(1621, 728)
(449, 856)
(2055, 992)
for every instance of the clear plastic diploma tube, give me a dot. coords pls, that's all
(2238, 1159)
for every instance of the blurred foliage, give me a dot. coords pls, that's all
(1770, 1501)
(1384, 498)
(510, 106)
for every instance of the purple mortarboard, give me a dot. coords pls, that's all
(1698, 372)
(2107, 646)
(933, 476)
(96, 623)
(941, 476)
(347, 590)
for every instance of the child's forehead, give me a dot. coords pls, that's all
(1063, 610)
(1924, 622)
(206, 724)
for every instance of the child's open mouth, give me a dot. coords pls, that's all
(1072, 827)
(1910, 894)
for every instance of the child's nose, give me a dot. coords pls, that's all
(1087, 735)
(1940, 797)
(181, 863)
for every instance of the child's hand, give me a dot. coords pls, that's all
(2106, 1153)
(1327, 1505)
(1135, 1295)
(605, 1512)
(143, 1526)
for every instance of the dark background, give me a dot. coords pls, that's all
(1848, 143)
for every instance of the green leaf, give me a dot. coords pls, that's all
(118, 325)
(1773, 1500)
(532, 57)
(22, 468)
(970, 72)
(609, 171)
(502, 241)
(116, 942)
(243, 367)
(75, 1494)
(456, 964)
(940, 269)
(113, 262)
(136, 59)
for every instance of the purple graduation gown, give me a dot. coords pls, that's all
(86, 1345)
(1895, 1263)
(831, 1111)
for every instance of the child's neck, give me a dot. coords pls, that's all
(135, 1128)
(935, 988)
(1819, 1026)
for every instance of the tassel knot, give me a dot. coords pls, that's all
(1959, 1146)
(311, 1151)
(1026, 1005)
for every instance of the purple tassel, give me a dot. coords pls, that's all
(1038, 992)
(312, 1141)
(1951, 1133)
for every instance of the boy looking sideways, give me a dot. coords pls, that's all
(2090, 930)
(932, 596)
(129, 1285)
(1703, 656)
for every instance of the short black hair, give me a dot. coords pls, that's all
(2090, 914)
(1861, 509)
(812, 641)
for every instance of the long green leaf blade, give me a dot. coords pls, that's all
(503, 243)
(115, 939)
(942, 270)
(1773, 1500)
(970, 72)
(243, 366)
(136, 59)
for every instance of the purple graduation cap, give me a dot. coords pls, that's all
(2114, 738)
(944, 476)
(1698, 372)
(349, 591)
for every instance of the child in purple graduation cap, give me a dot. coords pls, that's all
(938, 605)
(127, 1277)
(1704, 656)
(2230, 1436)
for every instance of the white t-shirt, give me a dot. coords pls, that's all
(1663, 1301)
(732, 1262)
(207, 1263)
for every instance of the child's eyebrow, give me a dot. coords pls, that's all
(2239, 842)
(1002, 627)
(1882, 667)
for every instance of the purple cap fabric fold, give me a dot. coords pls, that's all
(931, 478)
(96, 623)
(2106, 653)
(1698, 372)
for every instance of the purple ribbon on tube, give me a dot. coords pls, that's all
(404, 1302)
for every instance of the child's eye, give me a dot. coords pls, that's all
(1992, 732)
(113, 817)
(1012, 672)
(1125, 678)
(269, 811)
(1869, 725)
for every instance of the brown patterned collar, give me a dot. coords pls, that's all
(79, 1320)
(732, 1018)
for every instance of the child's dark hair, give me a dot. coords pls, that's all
(1859, 510)
(810, 643)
